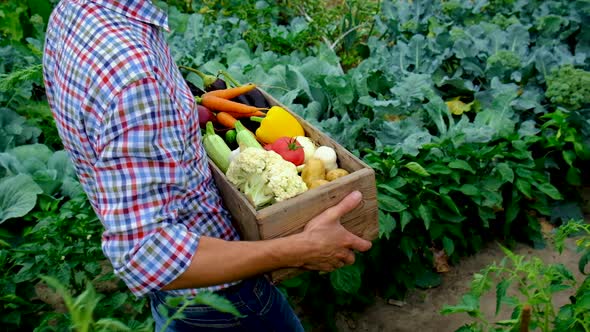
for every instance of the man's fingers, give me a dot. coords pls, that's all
(346, 205)
(349, 258)
(358, 243)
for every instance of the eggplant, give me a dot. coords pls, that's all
(195, 90)
(257, 99)
(210, 82)
(217, 84)
(253, 97)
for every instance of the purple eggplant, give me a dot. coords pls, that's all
(210, 82)
(195, 90)
(252, 97)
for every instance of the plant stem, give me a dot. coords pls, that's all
(176, 315)
(229, 78)
(548, 310)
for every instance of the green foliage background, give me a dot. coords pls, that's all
(474, 114)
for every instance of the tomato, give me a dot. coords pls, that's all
(289, 149)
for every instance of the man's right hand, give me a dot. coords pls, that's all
(323, 245)
(328, 245)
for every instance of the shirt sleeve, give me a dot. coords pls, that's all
(140, 180)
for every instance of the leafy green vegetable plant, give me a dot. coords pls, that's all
(569, 87)
(82, 307)
(535, 284)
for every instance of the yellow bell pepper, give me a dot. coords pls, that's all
(276, 124)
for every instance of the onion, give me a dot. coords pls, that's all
(308, 146)
(205, 115)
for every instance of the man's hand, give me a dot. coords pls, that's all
(323, 245)
(329, 245)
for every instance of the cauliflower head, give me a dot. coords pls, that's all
(264, 177)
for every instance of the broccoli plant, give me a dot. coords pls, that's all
(569, 87)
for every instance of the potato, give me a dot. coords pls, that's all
(317, 183)
(336, 173)
(314, 170)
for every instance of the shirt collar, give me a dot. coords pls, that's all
(142, 10)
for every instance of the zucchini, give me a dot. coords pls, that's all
(245, 137)
(216, 148)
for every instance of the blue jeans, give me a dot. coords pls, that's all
(264, 307)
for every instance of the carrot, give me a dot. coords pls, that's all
(226, 120)
(230, 93)
(223, 105)
(246, 115)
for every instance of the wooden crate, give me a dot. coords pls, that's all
(290, 216)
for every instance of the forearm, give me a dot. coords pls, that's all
(217, 261)
(323, 245)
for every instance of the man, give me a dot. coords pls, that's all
(128, 120)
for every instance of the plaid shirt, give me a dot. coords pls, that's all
(129, 122)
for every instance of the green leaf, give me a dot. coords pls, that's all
(428, 279)
(390, 204)
(524, 187)
(469, 190)
(549, 190)
(450, 203)
(117, 300)
(506, 173)
(583, 302)
(584, 260)
(461, 164)
(438, 169)
(293, 282)
(469, 304)
(492, 199)
(389, 189)
(416, 168)
(507, 322)
(448, 245)
(111, 324)
(18, 196)
(574, 176)
(406, 244)
(37, 155)
(406, 217)
(511, 213)
(59, 289)
(217, 302)
(569, 156)
(501, 289)
(558, 288)
(346, 279)
(426, 215)
(386, 224)
(396, 182)
(175, 301)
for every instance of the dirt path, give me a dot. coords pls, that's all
(420, 312)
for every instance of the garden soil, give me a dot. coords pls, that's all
(420, 311)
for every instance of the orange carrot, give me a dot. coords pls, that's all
(223, 105)
(230, 93)
(246, 115)
(226, 120)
